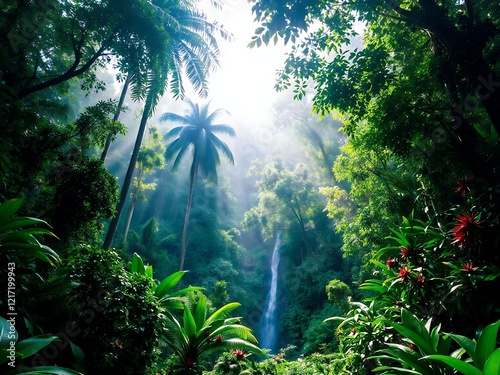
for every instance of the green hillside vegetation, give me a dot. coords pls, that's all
(138, 240)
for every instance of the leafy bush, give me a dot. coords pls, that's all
(119, 316)
(201, 332)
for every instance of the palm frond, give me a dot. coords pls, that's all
(223, 312)
(223, 128)
(237, 330)
(222, 146)
(176, 118)
(215, 115)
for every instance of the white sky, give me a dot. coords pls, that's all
(244, 83)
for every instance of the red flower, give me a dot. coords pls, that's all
(218, 338)
(469, 267)
(463, 185)
(419, 282)
(240, 354)
(391, 263)
(353, 331)
(404, 274)
(406, 252)
(412, 346)
(466, 229)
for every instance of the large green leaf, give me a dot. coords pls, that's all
(137, 265)
(183, 292)
(486, 344)
(189, 323)
(9, 208)
(223, 312)
(457, 364)
(415, 337)
(407, 357)
(31, 345)
(200, 312)
(492, 365)
(466, 343)
(168, 283)
(21, 222)
(51, 370)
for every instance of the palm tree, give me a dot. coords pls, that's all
(192, 50)
(197, 132)
(200, 333)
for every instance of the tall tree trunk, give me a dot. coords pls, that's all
(131, 208)
(131, 168)
(127, 223)
(116, 116)
(161, 193)
(186, 221)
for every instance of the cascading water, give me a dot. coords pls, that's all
(269, 324)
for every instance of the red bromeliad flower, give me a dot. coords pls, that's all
(391, 263)
(412, 346)
(218, 338)
(406, 251)
(463, 185)
(469, 268)
(419, 282)
(465, 230)
(240, 354)
(404, 274)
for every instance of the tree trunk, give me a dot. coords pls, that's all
(131, 168)
(131, 208)
(161, 193)
(127, 224)
(186, 221)
(116, 116)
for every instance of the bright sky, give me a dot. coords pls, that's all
(244, 83)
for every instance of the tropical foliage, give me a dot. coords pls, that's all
(383, 182)
(198, 131)
(201, 332)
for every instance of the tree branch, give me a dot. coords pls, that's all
(72, 72)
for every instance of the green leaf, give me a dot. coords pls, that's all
(168, 283)
(407, 357)
(411, 322)
(223, 312)
(148, 271)
(492, 365)
(31, 345)
(415, 337)
(200, 312)
(464, 368)
(51, 370)
(9, 208)
(467, 344)
(20, 222)
(486, 344)
(189, 323)
(137, 265)
(185, 291)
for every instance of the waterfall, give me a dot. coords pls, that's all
(269, 323)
